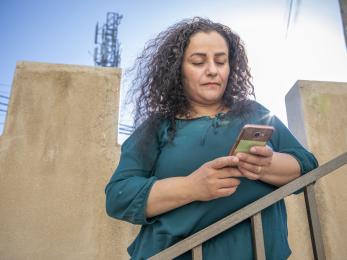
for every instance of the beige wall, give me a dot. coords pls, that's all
(317, 115)
(57, 152)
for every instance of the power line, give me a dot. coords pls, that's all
(127, 126)
(4, 104)
(123, 133)
(125, 129)
(1, 110)
(4, 96)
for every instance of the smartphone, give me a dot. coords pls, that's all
(251, 135)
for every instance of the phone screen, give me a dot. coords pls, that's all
(245, 145)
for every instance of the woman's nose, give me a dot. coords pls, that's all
(211, 68)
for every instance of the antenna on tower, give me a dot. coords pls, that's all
(107, 50)
(96, 33)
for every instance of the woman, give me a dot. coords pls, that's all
(174, 176)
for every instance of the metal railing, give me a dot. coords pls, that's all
(253, 211)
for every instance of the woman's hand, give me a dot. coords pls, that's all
(255, 164)
(271, 167)
(214, 179)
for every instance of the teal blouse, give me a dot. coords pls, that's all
(197, 141)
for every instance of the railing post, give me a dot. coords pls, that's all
(313, 220)
(258, 237)
(197, 252)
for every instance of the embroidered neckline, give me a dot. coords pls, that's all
(219, 115)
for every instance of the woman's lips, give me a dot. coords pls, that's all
(211, 84)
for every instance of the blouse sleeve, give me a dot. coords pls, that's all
(129, 187)
(283, 141)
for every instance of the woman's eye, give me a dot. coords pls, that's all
(197, 63)
(220, 62)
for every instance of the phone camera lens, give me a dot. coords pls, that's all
(256, 134)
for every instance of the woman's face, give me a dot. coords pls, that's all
(205, 69)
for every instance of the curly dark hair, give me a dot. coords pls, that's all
(157, 85)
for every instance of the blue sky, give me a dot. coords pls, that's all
(63, 32)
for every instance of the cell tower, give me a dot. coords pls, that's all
(107, 51)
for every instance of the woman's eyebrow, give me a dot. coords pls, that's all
(201, 54)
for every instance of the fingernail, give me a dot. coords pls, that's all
(253, 149)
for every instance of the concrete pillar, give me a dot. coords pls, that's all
(57, 152)
(317, 115)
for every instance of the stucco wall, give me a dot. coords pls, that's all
(57, 152)
(317, 115)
